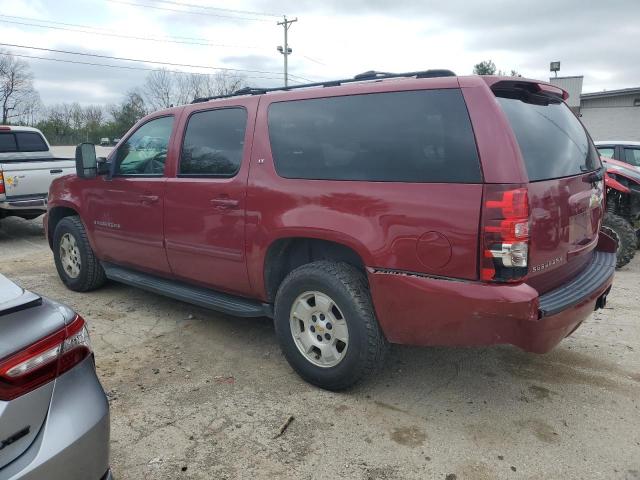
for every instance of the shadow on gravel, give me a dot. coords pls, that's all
(13, 228)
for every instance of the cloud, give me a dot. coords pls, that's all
(597, 39)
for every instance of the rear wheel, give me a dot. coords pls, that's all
(326, 325)
(76, 263)
(622, 231)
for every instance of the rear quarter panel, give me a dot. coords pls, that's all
(381, 221)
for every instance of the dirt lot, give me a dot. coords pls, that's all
(199, 395)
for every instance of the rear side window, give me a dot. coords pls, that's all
(30, 142)
(213, 143)
(415, 136)
(632, 156)
(553, 142)
(8, 143)
(606, 152)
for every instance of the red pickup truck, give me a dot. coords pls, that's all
(422, 208)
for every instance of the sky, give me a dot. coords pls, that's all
(331, 39)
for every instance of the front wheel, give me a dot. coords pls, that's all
(622, 231)
(326, 325)
(77, 265)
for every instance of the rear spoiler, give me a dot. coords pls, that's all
(529, 90)
(24, 301)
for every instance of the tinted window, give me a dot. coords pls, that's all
(632, 156)
(418, 136)
(553, 142)
(213, 142)
(606, 152)
(8, 143)
(145, 152)
(31, 142)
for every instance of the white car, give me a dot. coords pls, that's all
(27, 168)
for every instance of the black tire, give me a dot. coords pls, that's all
(622, 231)
(348, 288)
(91, 272)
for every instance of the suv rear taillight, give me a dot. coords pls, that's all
(1, 183)
(505, 233)
(44, 360)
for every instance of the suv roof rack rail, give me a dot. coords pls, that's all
(365, 76)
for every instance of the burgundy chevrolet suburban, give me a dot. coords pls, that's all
(422, 208)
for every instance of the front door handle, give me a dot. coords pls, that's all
(224, 203)
(149, 199)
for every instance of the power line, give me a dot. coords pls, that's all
(315, 61)
(110, 57)
(187, 11)
(206, 7)
(150, 39)
(124, 67)
(171, 37)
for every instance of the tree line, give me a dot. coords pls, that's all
(72, 123)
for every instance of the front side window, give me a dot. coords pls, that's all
(145, 152)
(412, 136)
(632, 156)
(606, 152)
(213, 143)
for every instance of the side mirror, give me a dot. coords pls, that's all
(86, 161)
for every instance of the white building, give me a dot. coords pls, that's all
(608, 115)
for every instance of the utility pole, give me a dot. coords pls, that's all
(286, 51)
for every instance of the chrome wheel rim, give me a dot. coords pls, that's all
(70, 255)
(319, 329)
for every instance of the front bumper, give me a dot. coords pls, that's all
(73, 443)
(419, 310)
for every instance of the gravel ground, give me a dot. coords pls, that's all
(199, 395)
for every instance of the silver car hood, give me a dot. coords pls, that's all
(13, 297)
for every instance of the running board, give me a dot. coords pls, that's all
(203, 297)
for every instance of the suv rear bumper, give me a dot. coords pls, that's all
(419, 310)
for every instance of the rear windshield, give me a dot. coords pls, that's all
(22, 142)
(552, 140)
(414, 136)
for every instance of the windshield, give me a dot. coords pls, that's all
(552, 140)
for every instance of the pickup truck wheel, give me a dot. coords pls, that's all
(622, 231)
(77, 266)
(326, 325)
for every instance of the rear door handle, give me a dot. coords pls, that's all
(149, 199)
(224, 203)
(55, 170)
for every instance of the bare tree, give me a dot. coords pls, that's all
(163, 88)
(159, 88)
(17, 95)
(227, 82)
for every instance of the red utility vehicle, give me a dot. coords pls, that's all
(422, 208)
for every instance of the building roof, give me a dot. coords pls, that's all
(611, 93)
